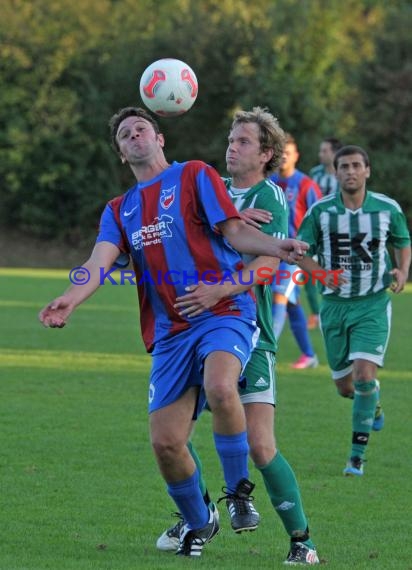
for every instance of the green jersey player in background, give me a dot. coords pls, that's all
(324, 173)
(350, 231)
(255, 148)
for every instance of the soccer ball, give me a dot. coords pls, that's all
(168, 87)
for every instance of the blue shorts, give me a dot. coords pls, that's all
(178, 360)
(283, 284)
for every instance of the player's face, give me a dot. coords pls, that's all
(326, 153)
(138, 141)
(290, 157)
(244, 155)
(352, 173)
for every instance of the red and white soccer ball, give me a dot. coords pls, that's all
(168, 87)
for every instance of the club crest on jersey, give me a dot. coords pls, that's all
(167, 197)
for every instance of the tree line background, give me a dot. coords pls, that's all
(323, 67)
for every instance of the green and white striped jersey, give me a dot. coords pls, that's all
(355, 241)
(267, 196)
(328, 183)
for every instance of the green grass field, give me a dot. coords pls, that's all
(80, 487)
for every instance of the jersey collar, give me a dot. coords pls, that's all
(252, 190)
(365, 205)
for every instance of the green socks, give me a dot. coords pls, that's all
(364, 406)
(196, 459)
(283, 490)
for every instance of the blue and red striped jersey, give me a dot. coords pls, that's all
(168, 227)
(301, 192)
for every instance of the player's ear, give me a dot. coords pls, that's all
(368, 172)
(123, 160)
(268, 154)
(161, 139)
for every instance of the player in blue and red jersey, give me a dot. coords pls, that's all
(301, 192)
(255, 148)
(175, 221)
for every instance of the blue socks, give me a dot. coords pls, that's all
(233, 451)
(189, 500)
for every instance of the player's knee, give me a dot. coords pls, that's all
(364, 375)
(166, 448)
(221, 395)
(261, 453)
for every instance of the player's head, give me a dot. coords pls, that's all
(348, 150)
(352, 167)
(255, 140)
(327, 150)
(121, 116)
(290, 156)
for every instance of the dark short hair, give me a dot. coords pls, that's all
(122, 114)
(335, 143)
(289, 139)
(350, 149)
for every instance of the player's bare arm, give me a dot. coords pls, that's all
(56, 313)
(400, 273)
(246, 239)
(204, 296)
(330, 280)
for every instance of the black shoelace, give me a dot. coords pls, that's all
(241, 502)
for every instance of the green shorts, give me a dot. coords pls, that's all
(258, 380)
(355, 329)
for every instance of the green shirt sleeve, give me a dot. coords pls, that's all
(278, 227)
(309, 233)
(399, 234)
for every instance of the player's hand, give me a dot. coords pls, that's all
(199, 298)
(253, 216)
(399, 280)
(56, 313)
(334, 279)
(292, 250)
